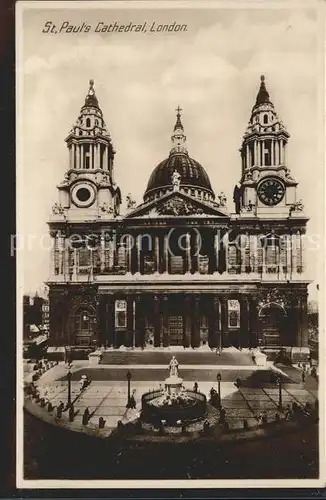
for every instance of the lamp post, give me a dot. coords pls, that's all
(218, 377)
(279, 381)
(69, 375)
(128, 380)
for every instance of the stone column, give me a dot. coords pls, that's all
(277, 152)
(293, 254)
(262, 145)
(105, 158)
(253, 321)
(157, 329)
(224, 321)
(247, 156)
(303, 247)
(259, 153)
(77, 156)
(130, 322)
(244, 322)
(272, 152)
(165, 321)
(243, 243)
(216, 251)
(187, 321)
(140, 322)
(75, 266)
(91, 265)
(72, 156)
(303, 319)
(215, 339)
(98, 154)
(102, 253)
(166, 253)
(157, 253)
(138, 248)
(195, 332)
(188, 254)
(110, 312)
(299, 250)
(102, 320)
(226, 250)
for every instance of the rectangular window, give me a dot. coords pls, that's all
(233, 259)
(234, 313)
(121, 314)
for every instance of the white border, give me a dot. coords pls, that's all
(217, 483)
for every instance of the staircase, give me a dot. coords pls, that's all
(229, 357)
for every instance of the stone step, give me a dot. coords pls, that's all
(188, 357)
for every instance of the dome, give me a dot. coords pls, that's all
(191, 172)
(192, 177)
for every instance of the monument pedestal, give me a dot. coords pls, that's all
(173, 384)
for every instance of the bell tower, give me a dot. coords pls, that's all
(88, 191)
(267, 188)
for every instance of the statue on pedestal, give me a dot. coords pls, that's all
(173, 367)
(176, 178)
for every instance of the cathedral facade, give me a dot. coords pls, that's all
(179, 269)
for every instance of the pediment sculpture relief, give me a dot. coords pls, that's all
(178, 206)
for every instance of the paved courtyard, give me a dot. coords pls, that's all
(108, 398)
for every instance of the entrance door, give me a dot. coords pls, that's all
(175, 330)
(272, 318)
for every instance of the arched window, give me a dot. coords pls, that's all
(88, 122)
(265, 118)
(83, 325)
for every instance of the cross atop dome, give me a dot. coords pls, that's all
(178, 137)
(178, 124)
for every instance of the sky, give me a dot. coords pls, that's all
(212, 71)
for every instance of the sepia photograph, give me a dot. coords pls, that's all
(170, 244)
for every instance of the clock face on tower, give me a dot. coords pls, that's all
(271, 191)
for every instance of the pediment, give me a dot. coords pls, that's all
(177, 205)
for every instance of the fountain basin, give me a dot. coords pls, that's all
(156, 407)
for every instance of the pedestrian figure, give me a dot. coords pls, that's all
(61, 406)
(206, 426)
(86, 416)
(277, 417)
(195, 387)
(222, 416)
(303, 376)
(101, 423)
(132, 402)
